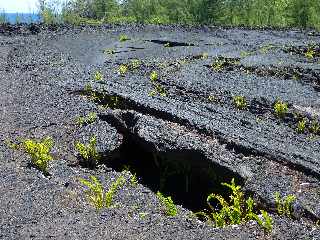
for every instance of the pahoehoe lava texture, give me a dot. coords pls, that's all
(194, 130)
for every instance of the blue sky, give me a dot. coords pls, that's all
(21, 6)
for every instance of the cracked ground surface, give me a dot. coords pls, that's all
(187, 117)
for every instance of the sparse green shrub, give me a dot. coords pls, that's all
(90, 118)
(212, 98)
(158, 89)
(280, 109)
(204, 56)
(109, 51)
(240, 102)
(284, 205)
(169, 207)
(218, 64)
(88, 88)
(98, 76)
(96, 194)
(267, 222)
(301, 127)
(310, 53)
(153, 76)
(123, 69)
(39, 152)
(88, 153)
(236, 211)
(115, 186)
(134, 180)
(135, 64)
(123, 38)
(315, 127)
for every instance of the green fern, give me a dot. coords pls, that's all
(169, 207)
(88, 153)
(284, 205)
(39, 152)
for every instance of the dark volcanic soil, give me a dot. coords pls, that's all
(181, 135)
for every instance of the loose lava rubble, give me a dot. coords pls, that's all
(180, 133)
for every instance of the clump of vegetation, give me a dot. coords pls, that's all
(221, 62)
(265, 49)
(88, 153)
(123, 69)
(153, 76)
(123, 38)
(315, 127)
(284, 205)
(301, 127)
(236, 211)
(88, 88)
(204, 56)
(240, 102)
(167, 45)
(133, 176)
(212, 98)
(98, 76)
(218, 64)
(95, 192)
(135, 64)
(280, 109)
(169, 207)
(109, 51)
(115, 186)
(90, 118)
(39, 151)
(97, 196)
(310, 53)
(158, 89)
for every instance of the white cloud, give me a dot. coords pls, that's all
(21, 6)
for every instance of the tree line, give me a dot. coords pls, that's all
(277, 13)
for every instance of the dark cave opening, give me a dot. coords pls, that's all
(185, 175)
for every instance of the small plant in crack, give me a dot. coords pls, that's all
(88, 88)
(167, 44)
(158, 89)
(212, 98)
(90, 118)
(310, 53)
(167, 203)
(240, 102)
(204, 56)
(284, 205)
(301, 126)
(97, 196)
(123, 38)
(123, 69)
(95, 192)
(153, 76)
(98, 76)
(218, 64)
(109, 51)
(115, 186)
(280, 109)
(133, 176)
(135, 64)
(39, 151)
(315, 127)
(236, 211)
(88, 153)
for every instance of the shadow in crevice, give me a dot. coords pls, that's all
(186, 175)
(171, 43)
